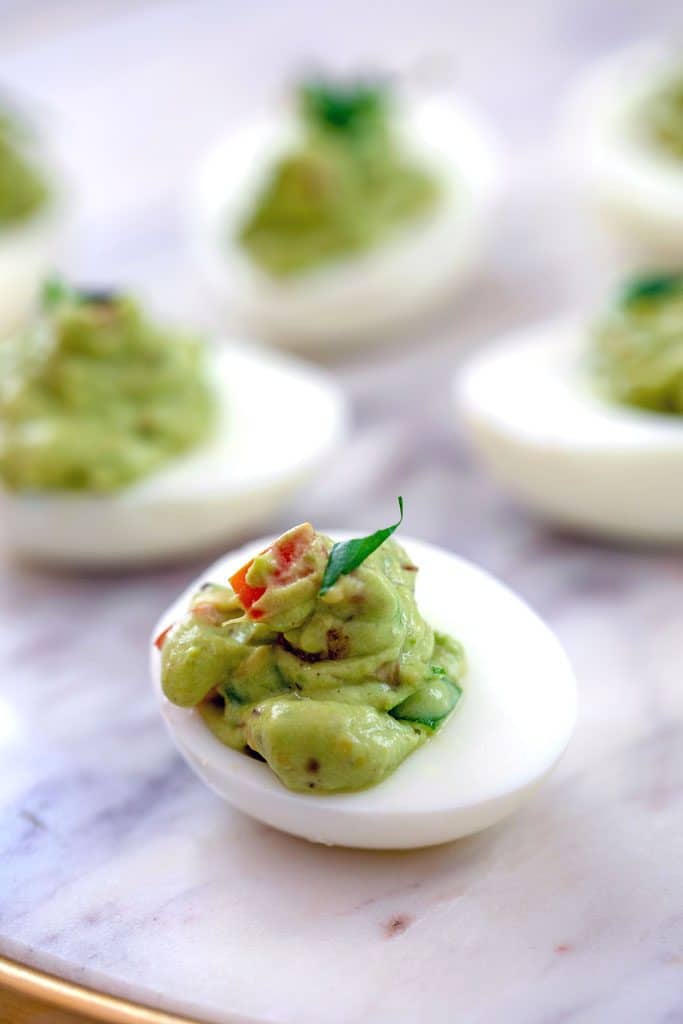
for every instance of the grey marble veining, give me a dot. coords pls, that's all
(117, 868)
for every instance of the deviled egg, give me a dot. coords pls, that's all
(584, 422)
(122, 442)
(362, 692)
(627, 123)
(358, 213)
(29, 222)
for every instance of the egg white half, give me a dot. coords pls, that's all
(636, 186)
(507, 733)
(278, 422)
(558, 446)
(355, 299)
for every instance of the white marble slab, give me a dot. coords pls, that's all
(117, 868)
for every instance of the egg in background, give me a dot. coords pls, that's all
(536, 420)
(278, 422)
(369, 296)
(636, 188)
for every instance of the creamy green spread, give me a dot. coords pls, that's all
(22, 187)
(661, 116)
(342, 189)
(637, 349)
(332, 690)
(96, 396)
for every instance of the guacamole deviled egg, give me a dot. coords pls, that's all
(29, 221)
(123, 441)
(584, 421)
(361, 692)
(342, 220)
(627, 123)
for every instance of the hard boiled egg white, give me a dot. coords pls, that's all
(368, 295)
(278, 422)
(505, 736)
(576, 458)
(638, 187)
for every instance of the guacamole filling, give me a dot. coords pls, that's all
(661, 117)
(341, 190)
(96, 396)
(333, 684)
(22, 188)
(637, 350)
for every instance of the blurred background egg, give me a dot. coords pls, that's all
(382, 289)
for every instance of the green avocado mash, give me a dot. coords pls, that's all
(637, 349)
(332, 690)
(22, 188)
(341, 190)
(661, 116)
(95, 396)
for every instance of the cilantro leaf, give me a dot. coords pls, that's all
(652, 286)
(349, 554)
(342, 107)
(56, 291)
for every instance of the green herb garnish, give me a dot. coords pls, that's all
(349, 554)
(652, 286)
(348, 108)
(56, 292)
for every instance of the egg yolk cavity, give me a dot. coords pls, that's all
(333, 691)
(637, 350)
(95, 396)
(341, 190)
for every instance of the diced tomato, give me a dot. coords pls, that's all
(286, 553)
(247, 595)
(159, 642)
(290, 549)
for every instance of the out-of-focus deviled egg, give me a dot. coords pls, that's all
(123, 442)
(584, 421)
(627, 126)
(362, 693)
(348, 218)
(29, 220)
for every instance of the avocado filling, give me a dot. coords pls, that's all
(342, 189)
(662, 116)
(333, 691)
(22, 188)
(637, 350)
(95, 396)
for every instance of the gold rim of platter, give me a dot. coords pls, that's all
(76, 1002)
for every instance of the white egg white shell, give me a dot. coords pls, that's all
(27, 254)
(637, 188)
(278, 421)
(558, 446)
(508, 732)
(351, 300)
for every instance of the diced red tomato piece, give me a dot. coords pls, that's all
(247, 595)
(286, 552)
(159, 642)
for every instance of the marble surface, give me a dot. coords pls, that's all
(117, 868)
